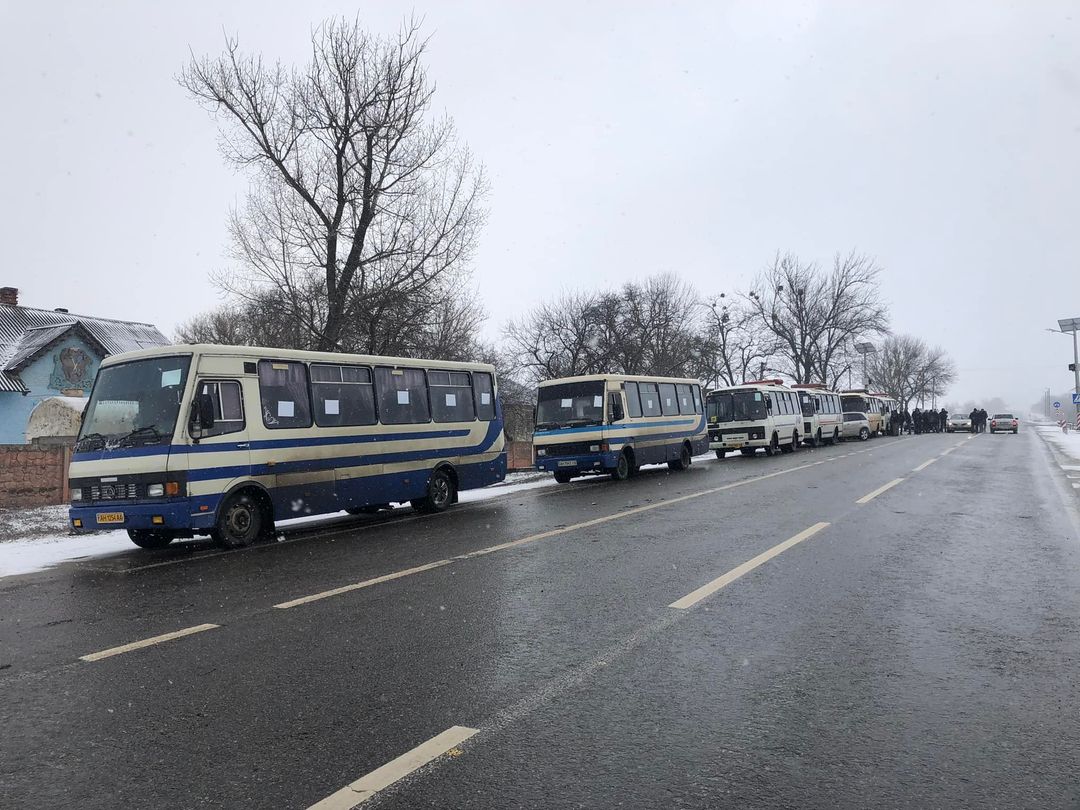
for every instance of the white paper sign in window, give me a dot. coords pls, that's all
(649, 404)
(331, 407)
(485, 398)
(402, 397)
(171, 377)
(598, 402)
(451, 400)
(568, 402)
(285, 408)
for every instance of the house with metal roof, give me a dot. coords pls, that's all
(53, 352)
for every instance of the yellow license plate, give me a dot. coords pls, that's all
(110, 517)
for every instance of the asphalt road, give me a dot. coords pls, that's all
(749, 633)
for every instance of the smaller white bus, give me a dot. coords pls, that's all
(763, 413)
(611, 423)
(823, 414)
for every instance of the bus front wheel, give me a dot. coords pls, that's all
(239, 523)
(720, 455)
(440, 494)
(144, 538)
(622, 468)
(563, 477)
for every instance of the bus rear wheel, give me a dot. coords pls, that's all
(683, 461)
(440, 494)
(622, 468)
(563, 477)
(144, 538)
(239, 523)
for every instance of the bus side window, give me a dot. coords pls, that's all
(697, 399)
(228, 407)
(633, 400)
(402, 395)
(668, 399)
(484, 391)
(344, 395)
(283, 389)
(686, 398)
(650, 399)
(451, 396)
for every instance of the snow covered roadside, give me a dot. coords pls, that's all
(1068, 444)
(36, 539)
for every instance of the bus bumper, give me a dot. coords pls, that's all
(591, 462)
(159, 515)
(739, 445)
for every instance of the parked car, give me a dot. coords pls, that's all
(1004, 423)
(856, 426)
(958, 422)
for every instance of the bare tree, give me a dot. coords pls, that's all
(649, 328)
(908, 370)
(817, 316)
(363, 209)
(735, 346)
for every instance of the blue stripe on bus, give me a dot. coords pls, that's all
(543, 434)
(316, 464)
(266, 444)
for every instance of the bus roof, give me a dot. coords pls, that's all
(769, 386)
(263, 353)
(618, 378)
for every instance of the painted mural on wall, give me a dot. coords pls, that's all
(72, 368)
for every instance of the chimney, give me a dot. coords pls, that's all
(9, 296)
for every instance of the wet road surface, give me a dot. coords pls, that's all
(892, 623)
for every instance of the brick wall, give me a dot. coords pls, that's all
(519, 456)
(33, 476)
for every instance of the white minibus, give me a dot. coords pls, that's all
(763, 413)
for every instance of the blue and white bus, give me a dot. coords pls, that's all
(224, 440)
(609, 423)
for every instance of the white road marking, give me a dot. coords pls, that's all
(710, 588)
(367, 583)
(149, 642)
(367, 786)
(533, 538)
(924, 465)
(879, 490)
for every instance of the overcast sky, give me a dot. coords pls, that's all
(621, 139)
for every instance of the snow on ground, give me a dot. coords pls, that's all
(1067, 443)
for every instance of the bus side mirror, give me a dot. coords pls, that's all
(768, 403)
(616, 408)
(202, 412)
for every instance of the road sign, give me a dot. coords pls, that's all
(1057, 405)
(1076, 399)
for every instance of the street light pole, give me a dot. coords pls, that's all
(864, 349)
(1066, 325)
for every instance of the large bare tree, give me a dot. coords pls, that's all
(363, 207)
(735, 346)
(909, 370)
(816, 316)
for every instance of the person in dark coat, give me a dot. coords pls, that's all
(983, 416)
(974, 417)
(943, 419)
(916, 418)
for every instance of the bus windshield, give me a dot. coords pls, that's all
(736, 406)
(570, 405)
(134, 404)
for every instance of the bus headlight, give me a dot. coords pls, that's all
(155, 490)
(76, 494)
(541, 451)
(594, 448)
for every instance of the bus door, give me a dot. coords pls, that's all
(225, 443)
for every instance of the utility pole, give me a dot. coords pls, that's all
(1066, 325)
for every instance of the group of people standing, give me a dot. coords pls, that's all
(978, 417)
(928, 421)
(931, 421)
